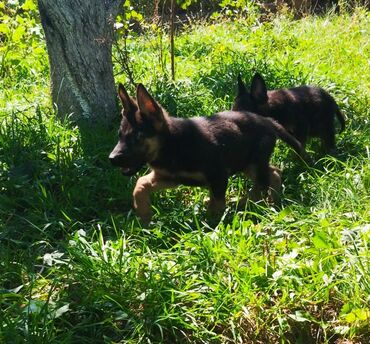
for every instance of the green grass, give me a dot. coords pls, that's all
(75, 264)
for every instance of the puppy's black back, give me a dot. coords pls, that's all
(226, 141)
(304, 105)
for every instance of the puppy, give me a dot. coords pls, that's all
(200, 151)
(304, 111)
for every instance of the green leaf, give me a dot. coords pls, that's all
(319, 240)
(29, 5)
(346, 308)
(362, 313)
(298, 316)
(351, 317)
(18, 33)
(4, 28)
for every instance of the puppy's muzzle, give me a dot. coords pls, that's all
(127, 168)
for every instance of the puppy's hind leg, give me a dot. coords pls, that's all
(274, 185)
(216, 205)
(301, 134)
(266, 181)
(328, 140)
(259, 174)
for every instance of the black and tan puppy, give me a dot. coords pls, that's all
(305, 111)
(201, 151)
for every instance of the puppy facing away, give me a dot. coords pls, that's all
(305, 111)
(201, 151)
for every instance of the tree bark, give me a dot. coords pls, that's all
(79, 36)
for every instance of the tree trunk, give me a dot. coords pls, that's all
(79, 37)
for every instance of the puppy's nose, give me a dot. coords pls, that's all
(114, 158)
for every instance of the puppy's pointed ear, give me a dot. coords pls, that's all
(129, 107)
(241, 86)
(149, 108)
(259, 89)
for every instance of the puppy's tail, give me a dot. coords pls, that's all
(340, 118)
(289, 139)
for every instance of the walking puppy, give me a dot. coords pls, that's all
(305, 111)
(201, 151)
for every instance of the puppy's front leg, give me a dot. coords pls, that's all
(141, 196)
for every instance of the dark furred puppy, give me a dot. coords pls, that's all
(305, 111)
(201, 151)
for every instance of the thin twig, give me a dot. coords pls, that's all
(124, 60)
(172, 42)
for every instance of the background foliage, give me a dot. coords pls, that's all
(75, 264)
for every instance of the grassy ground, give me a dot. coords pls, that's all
(75, 264)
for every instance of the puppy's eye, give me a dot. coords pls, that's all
(131, 139)
(139, 135)
(135, 137)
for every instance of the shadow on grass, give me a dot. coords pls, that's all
(55, 179)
